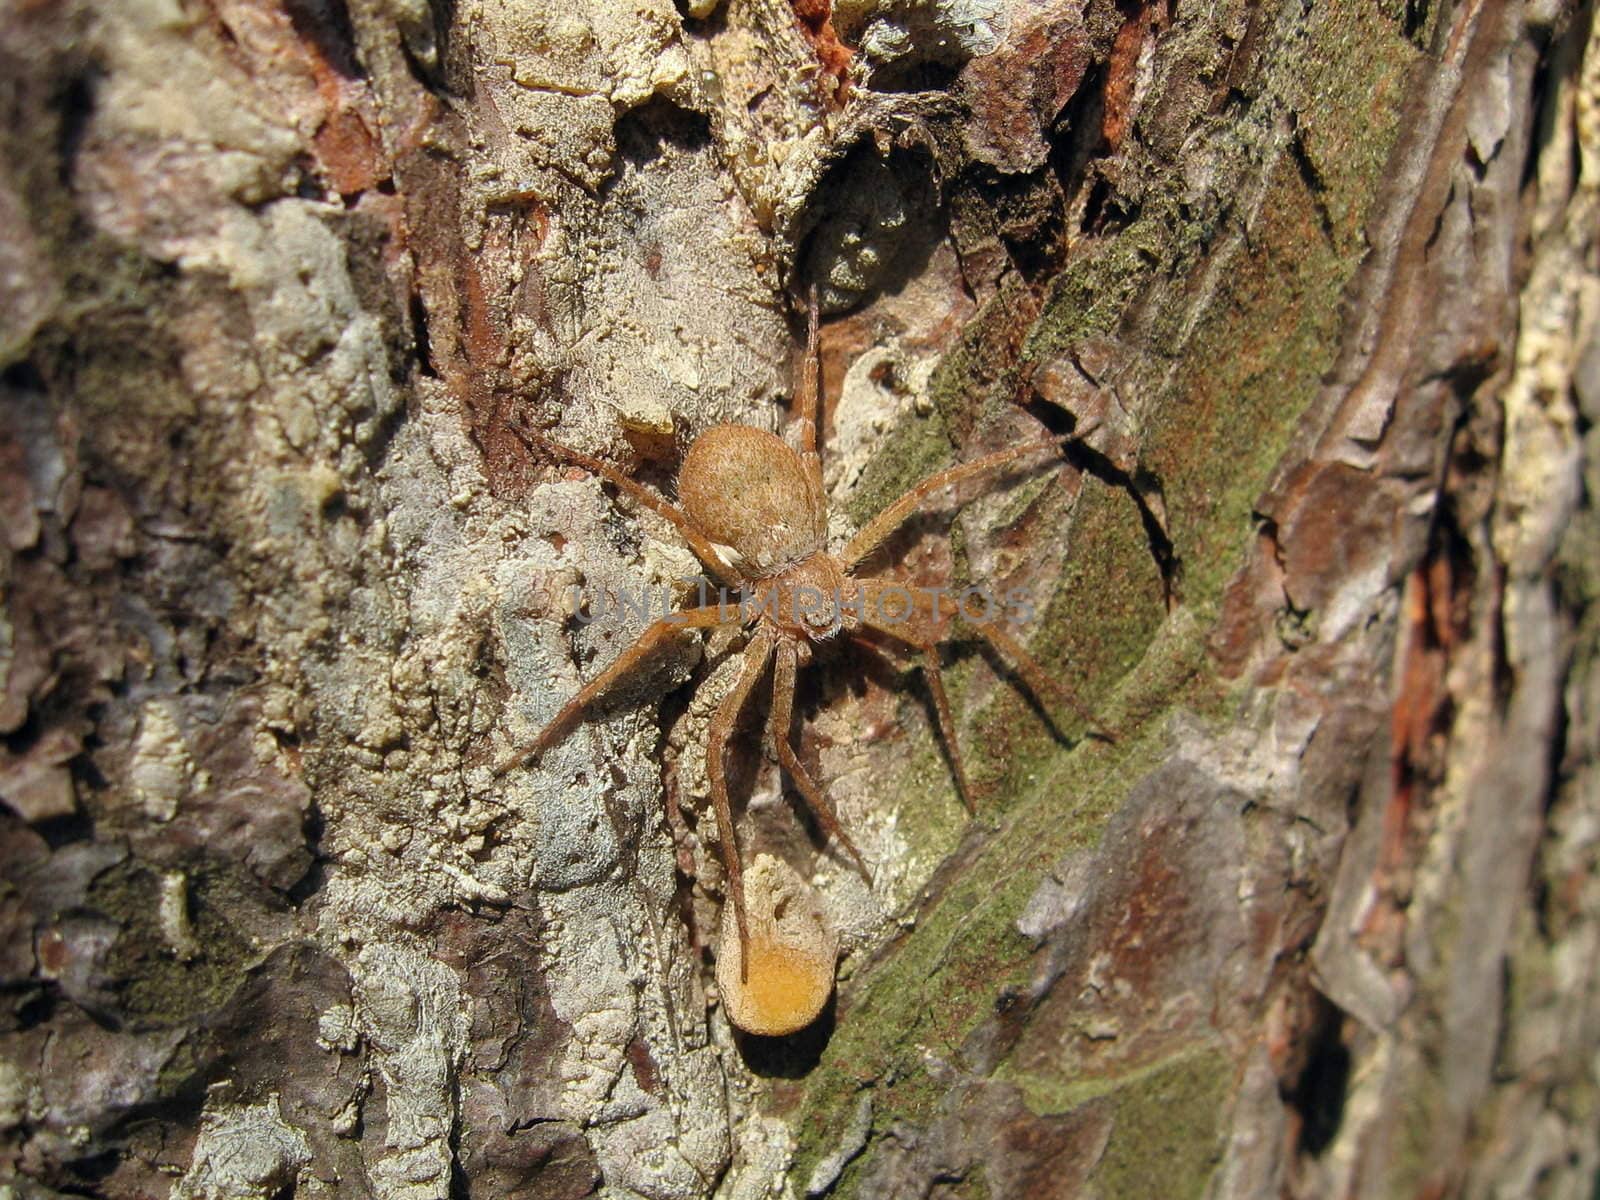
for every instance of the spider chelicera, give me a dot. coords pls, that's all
(752, 508)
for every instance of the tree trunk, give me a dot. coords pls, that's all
(1313, 286)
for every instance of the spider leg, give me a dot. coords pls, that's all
(1039, 682)
(698, 542)
(653, 636)
(783, 679)
(928, 644)
(947, 726)
(756, 655)
(807, 400)
(807, 397)
(872, 534)
(922, 626)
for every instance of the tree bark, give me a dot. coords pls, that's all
(1313, 286)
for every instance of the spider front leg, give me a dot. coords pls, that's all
(875, 531)
(783, 681)
(808, 395)
(807, 401)
(648, 641)
(756, 655)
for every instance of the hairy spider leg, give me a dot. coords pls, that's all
(1039, 682)
(654, 635)
(916, 634)
(874, 532)
(784, 671)
(932, 672)
(702, 547)
(922, 629)
(809, 394)
(807, 401)
(756, 656)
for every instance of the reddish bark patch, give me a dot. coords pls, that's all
(1052, 1156)
(1252, 601)
(1122, 70)
(1017, 92)
(1152, 926)
(53, 952)
(816, 17)
(1338, 527)
(348, 152)
(645, 1071)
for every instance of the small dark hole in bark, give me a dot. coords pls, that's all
(76, 100)
(326, 25)
(309, 884)
(23, 377)
(35, 1010)
(1416, 16)
(912, 74)
(1076, 136)
(96, 1167)
(335, 506)
(1321, 1091)
(460, 1183)
(64, 831)
(424, 348)
(646, 132)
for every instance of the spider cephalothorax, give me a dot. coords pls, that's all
(754, 512)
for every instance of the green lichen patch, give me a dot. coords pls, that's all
(977, 378)
(159, 984)
(1257, 359)
(1108, 605)
(1092, 294)
(965, 950)
(930, 784)
(1166, 1123)
(1347, 96)
(1166, 1136)
(1228, 305)
(915, 449)
(1416, 1165)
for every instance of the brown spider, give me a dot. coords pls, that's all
(753, 511)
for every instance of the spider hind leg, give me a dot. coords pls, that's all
(538, 444)
(783, 686)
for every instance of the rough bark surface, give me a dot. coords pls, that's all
(1316, 285)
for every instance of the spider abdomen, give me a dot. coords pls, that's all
(748, 490)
